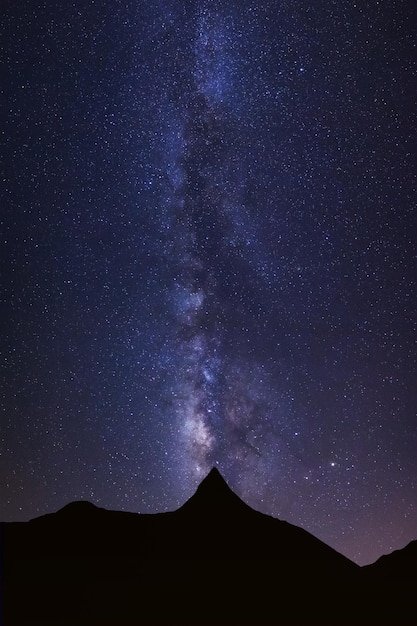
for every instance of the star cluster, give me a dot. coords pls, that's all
(208, 259)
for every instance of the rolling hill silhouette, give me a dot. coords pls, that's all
(213, 561)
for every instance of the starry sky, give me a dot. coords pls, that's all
(208, 259)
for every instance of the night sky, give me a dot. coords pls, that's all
(208, 219)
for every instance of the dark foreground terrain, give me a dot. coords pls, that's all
(213, 561)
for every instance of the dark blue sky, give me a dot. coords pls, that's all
(208, 225)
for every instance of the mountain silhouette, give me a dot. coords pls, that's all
(234, 529)
(214, 497)
(77, 508)
(399, 566)
(215, 560)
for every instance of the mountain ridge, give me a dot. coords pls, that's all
(116, 567)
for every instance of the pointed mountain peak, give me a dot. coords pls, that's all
(214, 495)
(214, 478)
(214, 486)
